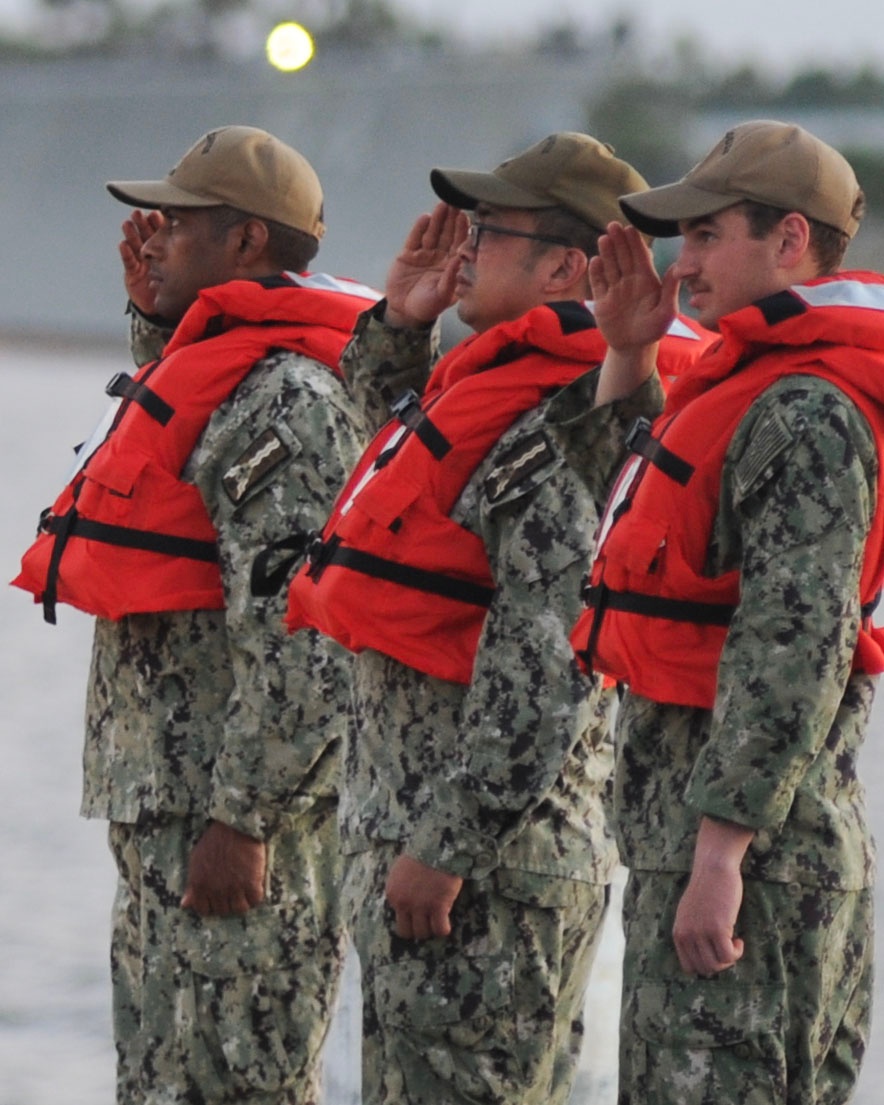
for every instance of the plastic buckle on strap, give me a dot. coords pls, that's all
(118, 385)
(44, 525)
(320, 553)
(122, 386)
(640, 440)
(406, 406)
(640, 429)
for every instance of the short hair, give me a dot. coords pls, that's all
(289, 249)
(560, 222)
(827, 242)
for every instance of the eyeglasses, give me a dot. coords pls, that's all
(474, 235)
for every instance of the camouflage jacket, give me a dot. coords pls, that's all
(508, 774)
(222, 712)
(778, 752)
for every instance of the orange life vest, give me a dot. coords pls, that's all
(654, 620)
(127, 535)
(392, 571)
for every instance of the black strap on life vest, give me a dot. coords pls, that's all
(601, 599)
(407, 408)
(321, 554)
(60, 526)
(70, 525)
(656, 606)
(122, 386)
(74, 526)
(640, 441)
(265, 581)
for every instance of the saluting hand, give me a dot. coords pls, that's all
(420, 282)
(136, 230)
(632, 305)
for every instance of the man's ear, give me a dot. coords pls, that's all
(571, 269)
(251, 241)
(794, 239)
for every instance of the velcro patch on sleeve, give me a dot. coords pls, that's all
(772, 441)
(532, 453)
(264, 454)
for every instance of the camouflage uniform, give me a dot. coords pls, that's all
(199, 715)
(788, 1023)
(501, 782)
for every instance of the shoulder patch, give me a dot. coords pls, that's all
(262, 456)
(771, 441)
(530, 454)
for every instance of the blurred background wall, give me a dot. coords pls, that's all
(373, 122)
(372, 128)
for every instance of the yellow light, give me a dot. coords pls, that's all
(289, 47)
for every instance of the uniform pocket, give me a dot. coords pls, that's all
(709, 1040)
(246, 1022)
(427, 995)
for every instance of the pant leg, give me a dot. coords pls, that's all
(490, 1014)
(784, 1026)
(126, 962)
(237, 1008)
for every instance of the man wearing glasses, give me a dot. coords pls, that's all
(477, 850)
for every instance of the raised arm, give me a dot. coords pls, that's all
(420, 282)
(136, 231)
(633, 308)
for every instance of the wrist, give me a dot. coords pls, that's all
(721, 845)
(132, 308)
(398, 320)
(624, 370)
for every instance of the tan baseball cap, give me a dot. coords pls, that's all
(779, 164)
(241, 166)
(566, 169)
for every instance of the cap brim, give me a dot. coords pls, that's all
(659, 210)
(155, 193)
(465, 189)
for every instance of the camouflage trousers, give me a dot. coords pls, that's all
(788, 1025)
(490, 1015)
(216, 1010)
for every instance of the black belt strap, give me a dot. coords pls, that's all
(640, 441)
(655, 606)
(433, 583)
(72, 525)
(122, 386)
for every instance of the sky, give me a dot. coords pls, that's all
(778, 34)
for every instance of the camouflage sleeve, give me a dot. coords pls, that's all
(148, 335)
(798, 496)
(269, 465)
(527, 704)
(380, 362)
(590, 437)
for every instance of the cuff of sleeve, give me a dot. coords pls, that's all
(460, 851)
(406, 338)
(592, 437)
(148, 335)
(234, 810)
(735, 807)
(574, 402)
(156, 321)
